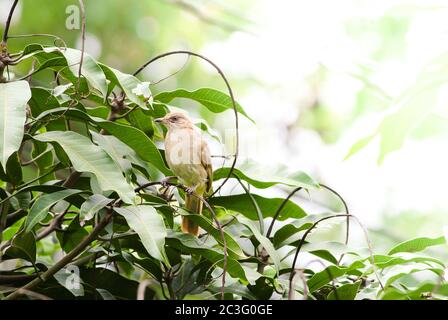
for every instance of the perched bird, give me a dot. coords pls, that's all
(188, 156)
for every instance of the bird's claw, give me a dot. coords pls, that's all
(165, 182)
(189, 190)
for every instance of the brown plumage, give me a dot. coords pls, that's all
(188, 156)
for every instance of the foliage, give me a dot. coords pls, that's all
(80, 188)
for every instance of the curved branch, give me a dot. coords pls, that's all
(8, 23)
(83, 42)
(302, 241)
(229, 89)
(254, 203)
(347, 212)
(32, 35)
(28, 293)
(305, 285)
(280, 208)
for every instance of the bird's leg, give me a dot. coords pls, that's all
(191, 190)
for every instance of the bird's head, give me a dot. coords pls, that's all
(175, 120)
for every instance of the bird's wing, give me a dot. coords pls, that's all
(206, 161)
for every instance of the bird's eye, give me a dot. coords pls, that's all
(173, 119)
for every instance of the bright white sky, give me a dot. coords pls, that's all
(292, 38)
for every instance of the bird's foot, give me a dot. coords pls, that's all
(165, 182)
(190, 190)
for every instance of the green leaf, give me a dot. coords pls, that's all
(92, 205)
(286, 232)
(235, 288)
(150, 228)
(126, 82)
(383, 261)
(23, 246)
(214, 100)
(43, 155)
(408, 271)
(264, 242)
(232, 246)
(72, 235)
(122, 154)
(190, 244)
(417, 244)
(133, 137)
(264, 177)
(41, 207)
(345, 292)
(360, 144)
(13, 99)
(138, 141)
(117, 285)
(321, 278)
(13, 170)
(87, 157)
(90, 69)
(241, 203)
(150, 265)
(42, 100)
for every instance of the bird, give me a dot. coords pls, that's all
(188, 156)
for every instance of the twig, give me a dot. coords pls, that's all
(347, 212)
(302, 241)
(172, 74)
(26, 292)
(279, 210)
(8, 23)
(31, 35)
(229, 89)
(254, 203)
(54, 225)
(10, 278)
(66, 259)
(292, 283)
(199, 14)
(83, 41)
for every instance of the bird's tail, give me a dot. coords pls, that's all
(194, 205)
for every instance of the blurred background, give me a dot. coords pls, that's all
(322, 80)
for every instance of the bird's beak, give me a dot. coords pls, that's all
(159, 120)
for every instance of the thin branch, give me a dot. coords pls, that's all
(8, 23)
(229, 89)
(32, 35)
(124, 115)
(66, 259)
(302, 241)
(26, 292)
(254, 203)
(279, 210)
(202, 16)
(347, 212)
(172, 74)
(305, 286)
(292, 283)
(11, 278)
(54, 225)
(83, 42)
